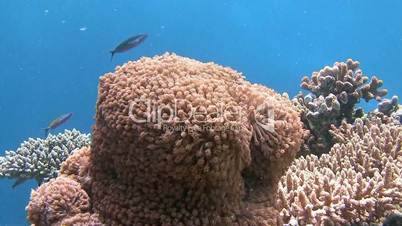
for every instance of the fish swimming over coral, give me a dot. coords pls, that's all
(128, 44)
(57, 122)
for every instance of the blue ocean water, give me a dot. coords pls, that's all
(52, 53)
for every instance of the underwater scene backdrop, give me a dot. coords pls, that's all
(53, 52)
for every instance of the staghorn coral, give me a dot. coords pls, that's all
(347, 81)
(40, 159)
(357, 182)
(334, 92)
(180, 142)
(318, 116)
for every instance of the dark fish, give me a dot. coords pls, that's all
(19, 181)
(128, 44)
(57, 122)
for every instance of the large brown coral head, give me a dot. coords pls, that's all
(181, 142)
(198, 159)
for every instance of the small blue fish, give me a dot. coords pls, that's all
(128, 44)
(57, 122)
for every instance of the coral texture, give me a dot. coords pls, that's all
(180, 142)
(59, 199)
(40, 159)
(76, 167)
(82, 219)
(358, 182)
(334, 92)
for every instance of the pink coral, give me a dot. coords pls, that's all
(76, 167)
(215, 160)
(55, 200)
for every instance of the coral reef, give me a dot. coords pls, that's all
(397, 115)
(334, 92)
(357, 182)
(40, 159)
(177, 142)
(388, 106)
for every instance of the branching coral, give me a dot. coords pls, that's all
(359, 181)
(180, 142)
(40, 159)
(334, 92)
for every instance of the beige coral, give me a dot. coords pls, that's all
(56, 200)
(199, 167)
(359, 181)
(215, 160)
(76, 167)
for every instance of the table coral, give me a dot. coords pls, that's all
(40, 159)
(180, 142)
(357, 182)
(334, 93)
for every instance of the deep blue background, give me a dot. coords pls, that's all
(49, 66)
